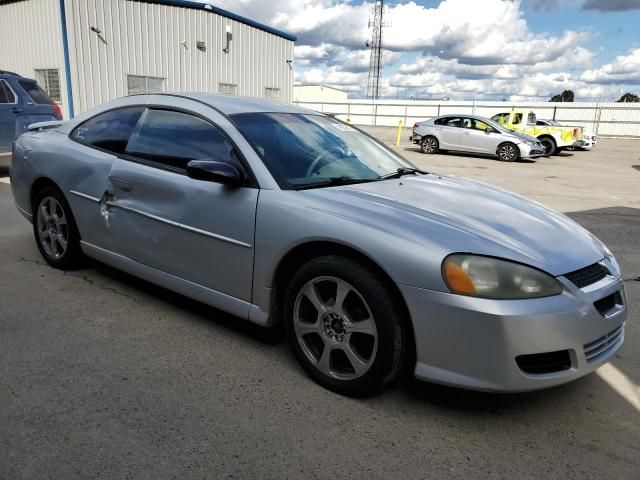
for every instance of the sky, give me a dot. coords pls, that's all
(464, 49)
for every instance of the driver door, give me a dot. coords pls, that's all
(479, 137)
(195, 230)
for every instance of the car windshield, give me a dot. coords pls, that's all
(306, 151)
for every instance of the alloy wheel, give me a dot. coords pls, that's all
(335, 328)
(507, 153)
(53, 231)
(429, 145)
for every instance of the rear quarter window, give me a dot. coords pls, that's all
(109, 130)
(37, 94)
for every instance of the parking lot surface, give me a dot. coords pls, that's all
(103, 375)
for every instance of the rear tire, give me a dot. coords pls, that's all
(343, 326)
(549, 144)
(508, 152)
(55, 230)
(429, 145)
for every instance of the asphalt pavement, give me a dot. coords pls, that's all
(105, 376)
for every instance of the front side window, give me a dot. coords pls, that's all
(109, 130)
(49, 80)
(174, 138)
(501, 118)
(37, 94)
(475, 124)
(138, 84)
(6, 94)
(303, 150)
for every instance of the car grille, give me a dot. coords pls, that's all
(542, 363)
(588, 275)
(599, 348)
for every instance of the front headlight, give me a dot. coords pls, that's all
(608, 255)
(490, 277)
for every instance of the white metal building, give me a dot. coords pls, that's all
(309, 92)
(86, 52)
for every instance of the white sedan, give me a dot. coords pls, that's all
(473, 134)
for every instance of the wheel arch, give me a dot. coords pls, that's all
(548, 136)
(38, 185)
(300, 254)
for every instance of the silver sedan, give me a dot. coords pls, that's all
(473, 134)
(278, 214)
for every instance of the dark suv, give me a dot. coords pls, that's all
(22, 102)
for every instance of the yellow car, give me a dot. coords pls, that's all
(553, 138)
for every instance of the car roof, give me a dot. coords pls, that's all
(232, 104)
(9, 74)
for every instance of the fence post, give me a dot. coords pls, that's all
(555, 108)
(375, 113)
(438, 110)
(348, 113)
(598, 121)
(406, 105)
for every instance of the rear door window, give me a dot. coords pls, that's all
(38, 95)
(110, 130)
(453, 122)
(6, 94)
(173, 139)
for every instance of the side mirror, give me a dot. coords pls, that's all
(488, 130)
(213, 171)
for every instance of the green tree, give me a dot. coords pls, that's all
(566, 96)
(629, 97)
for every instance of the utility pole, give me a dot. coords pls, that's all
(375, 44)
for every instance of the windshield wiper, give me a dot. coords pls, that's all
(400, 172)
(335, 181)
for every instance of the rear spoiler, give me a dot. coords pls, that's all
(44, 125)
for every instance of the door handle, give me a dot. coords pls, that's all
(121, 184)
(16, 110)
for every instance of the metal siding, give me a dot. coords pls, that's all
(146, 39)
(43, 46)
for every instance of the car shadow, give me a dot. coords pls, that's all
(469, 155)
(196, 309)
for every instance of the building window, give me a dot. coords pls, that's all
(138, 84)
(49, 80)
(272, 93)
(228, 88)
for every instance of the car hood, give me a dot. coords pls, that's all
(485, 219)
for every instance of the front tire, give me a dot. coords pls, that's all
(343, 326)
(55, 230)
(508, 152)
(429, 145)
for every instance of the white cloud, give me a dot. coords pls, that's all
(625, 69)
(458, 48)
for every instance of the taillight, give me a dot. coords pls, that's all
(57, 111)
(416, 125)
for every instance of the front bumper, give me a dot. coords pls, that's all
(473, 343)
(530, 151)
(584, 143)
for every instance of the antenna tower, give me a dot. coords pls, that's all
(375, 45)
